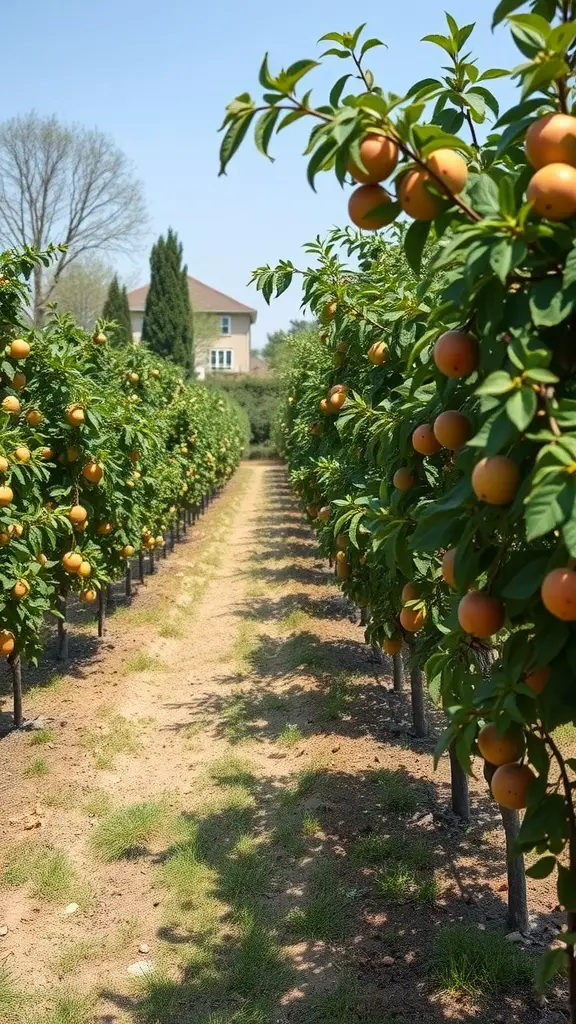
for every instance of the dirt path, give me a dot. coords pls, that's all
(225, 798)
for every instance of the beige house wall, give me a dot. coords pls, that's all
(209, 337)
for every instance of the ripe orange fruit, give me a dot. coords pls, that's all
(552, 191)
(77, 514)
(424, 441)
(392, 645)
(21, 589)
(72, 454)
(7, 642)
(42, 559)
(18, 381)
(312, 511)
(415, 198)
(324, 513)
(84, 569)
(6, 496)
(448, 567)
(154, 373)
(456, 354)
(551, 140)
(4, 464)
(104, 529)
(46, 453)
(338, 389)
(378, 353)
(450, 168)
(93, 472)
(88, 596)
(511, 784)
(495, 479)
(412, 619)
(410, 592)
(452, 429)
(75, 415)
(72, 561)
(480, 614)
(127, 551)
(11, 405)
(364, 204)
(537, 679)
(379, 156)
(19, 349)
(100, 338)
(133, 378)
(342, 541)
(326, 407)
(338, 399)
(343, 568)
(403, 479)
(34, 417)
(558, 594)
(134, 456)
(500, 748)
(329, 311)
(22, 453)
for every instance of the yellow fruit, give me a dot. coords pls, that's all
(18, 381)
(6, 496)
(366, 207)
(93, 472)
(499, 748)
(511, 785)
(19, 349)
(7, 642)
(448, 567)
(415, 197)
(450, 168)
(42, 559)
(456, 354)
(552, 191)
(413, 619)
(47, 453)
(403, 479)
(481, 614)
(410, 592)
(379, 156)
(34, 417)
(378, 353)
(21, 589)
(22, 454)
(75, 415)
(558, 593)
(551, 140)
(84, 569)
(100, 338)
(424, 441)
(4, 464)
(495, 480)
(88, 596)
(72, 561)
(11, 405)
(77, 514)
(104, 529)
(452, 429)
(393, 646)
(127, 551)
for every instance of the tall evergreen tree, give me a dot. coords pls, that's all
(167, 326)
(116, 308)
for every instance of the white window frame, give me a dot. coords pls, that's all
(221, 359)
(226, 326)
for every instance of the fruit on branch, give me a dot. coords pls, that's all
(88, 596)
(448, 560)
(72, 561)
(6, 496)
(413, 619)
(495, 479)
(480, 614)
(410, 592)
(22, 454)
(93, 472)
(415, 196)
(379, 156)
(7, 642)
(11, 405)
(127, 551)
(21, 589)
(551, 140)
(424, 440)
(365, 207)
(393, 645)
(324, 514)
(18, 381)
(77, 515)
(75, 415)
(500, 748)
(4, 464)
(403, 479)
(84, 569)
(552, 191)
(34, 417)
(19, 349)
(558, 592)
(537, 679)
(456, 354)
(342, 541)
(450, 167)
(452, 429)
(343, 567)
(378, 353)
(511, 785)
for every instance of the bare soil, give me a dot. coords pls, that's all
(236, 648)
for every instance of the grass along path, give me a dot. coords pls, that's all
(231, 796)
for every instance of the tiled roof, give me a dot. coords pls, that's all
(203, 298)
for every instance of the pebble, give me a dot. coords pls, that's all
(514, 937)
(72, 908)
(387, 961)
(141, 968)
(3, 930)
(143, 948)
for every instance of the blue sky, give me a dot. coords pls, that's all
(157, 76)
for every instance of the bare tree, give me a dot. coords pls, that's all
(67, 185)
(82, 288)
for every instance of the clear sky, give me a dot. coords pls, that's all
(157, 76)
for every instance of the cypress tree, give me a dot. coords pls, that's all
(167, 326)
(116, 308)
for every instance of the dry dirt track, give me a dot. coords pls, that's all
(237, 698)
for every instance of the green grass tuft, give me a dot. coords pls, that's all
(394, 793)
(68, 1007)
(381, 849)
(11, 999)
(142, 661)
(117, 736)
(325, 913)
(290, 736)
(36, 768)
(49, 873)
(229, 770)
(403, 884)
(467, 961)
(39, 736)
(339, 696)
(123, 833)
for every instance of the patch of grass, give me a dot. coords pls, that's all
(142, 661)
(401, 883)
(194, 729)
(170, 629)
(59, 798)
(339, 696)
(75, 954)
(98, 803)
(49, 873)
(36, 768)
(293, 621)
(257, 965)
(342, 1005)
(236, 718)
(394, 792)
(39, 736)
(468, 961)
(11, 999)
(124, 832)
(306, 781)
(68, 1007)
(117, 736)
(311, 825)
(229, 770)
(325, 913)
(290, 736)
(245, 872)
(376, 848)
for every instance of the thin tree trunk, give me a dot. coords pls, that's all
(62, 652)
(164, 551)
(16, 672)
(418, 709)
(364, 616)
(459, 785)
(172, 539)
(571, 921)
(110, 600)
(517, 899)
(128, 580)
(178, 527)
(152, 564)
(141, 565)
(101, 613)
(398, 672)
(184, 524)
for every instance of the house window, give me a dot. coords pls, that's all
(221, 359)
(225, 325)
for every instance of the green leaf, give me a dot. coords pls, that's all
(337, 90)
(549, 303)
(521, 407)
(264, 76)
(548, 506)
(543, 74)
(506, 255)
(320, 158)
(549, 965)
(264, 129)
(369, 45)
(527, 581)
(483, 195)
(233, 139)
(504, 8)
(443, 42)
(542, 868)
(497, 383)
(561, 36)
(414, 243)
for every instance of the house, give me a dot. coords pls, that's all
(222, 328)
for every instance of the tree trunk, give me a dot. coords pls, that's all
(398, 672)
(152, 563)
(164, 549)
(184, 524)
(62, 652)
(128, 581)
(141, 565)
(364, 616)
(517, 900)
(101, 613)
(16, 672)
(110, 600)
(172, 538)
(459, 783)
(571, 921)
(178, 527)
(418, 710)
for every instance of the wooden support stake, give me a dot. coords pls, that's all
(128, 580)
(16, 672)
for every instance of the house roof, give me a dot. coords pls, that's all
(203, 298)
